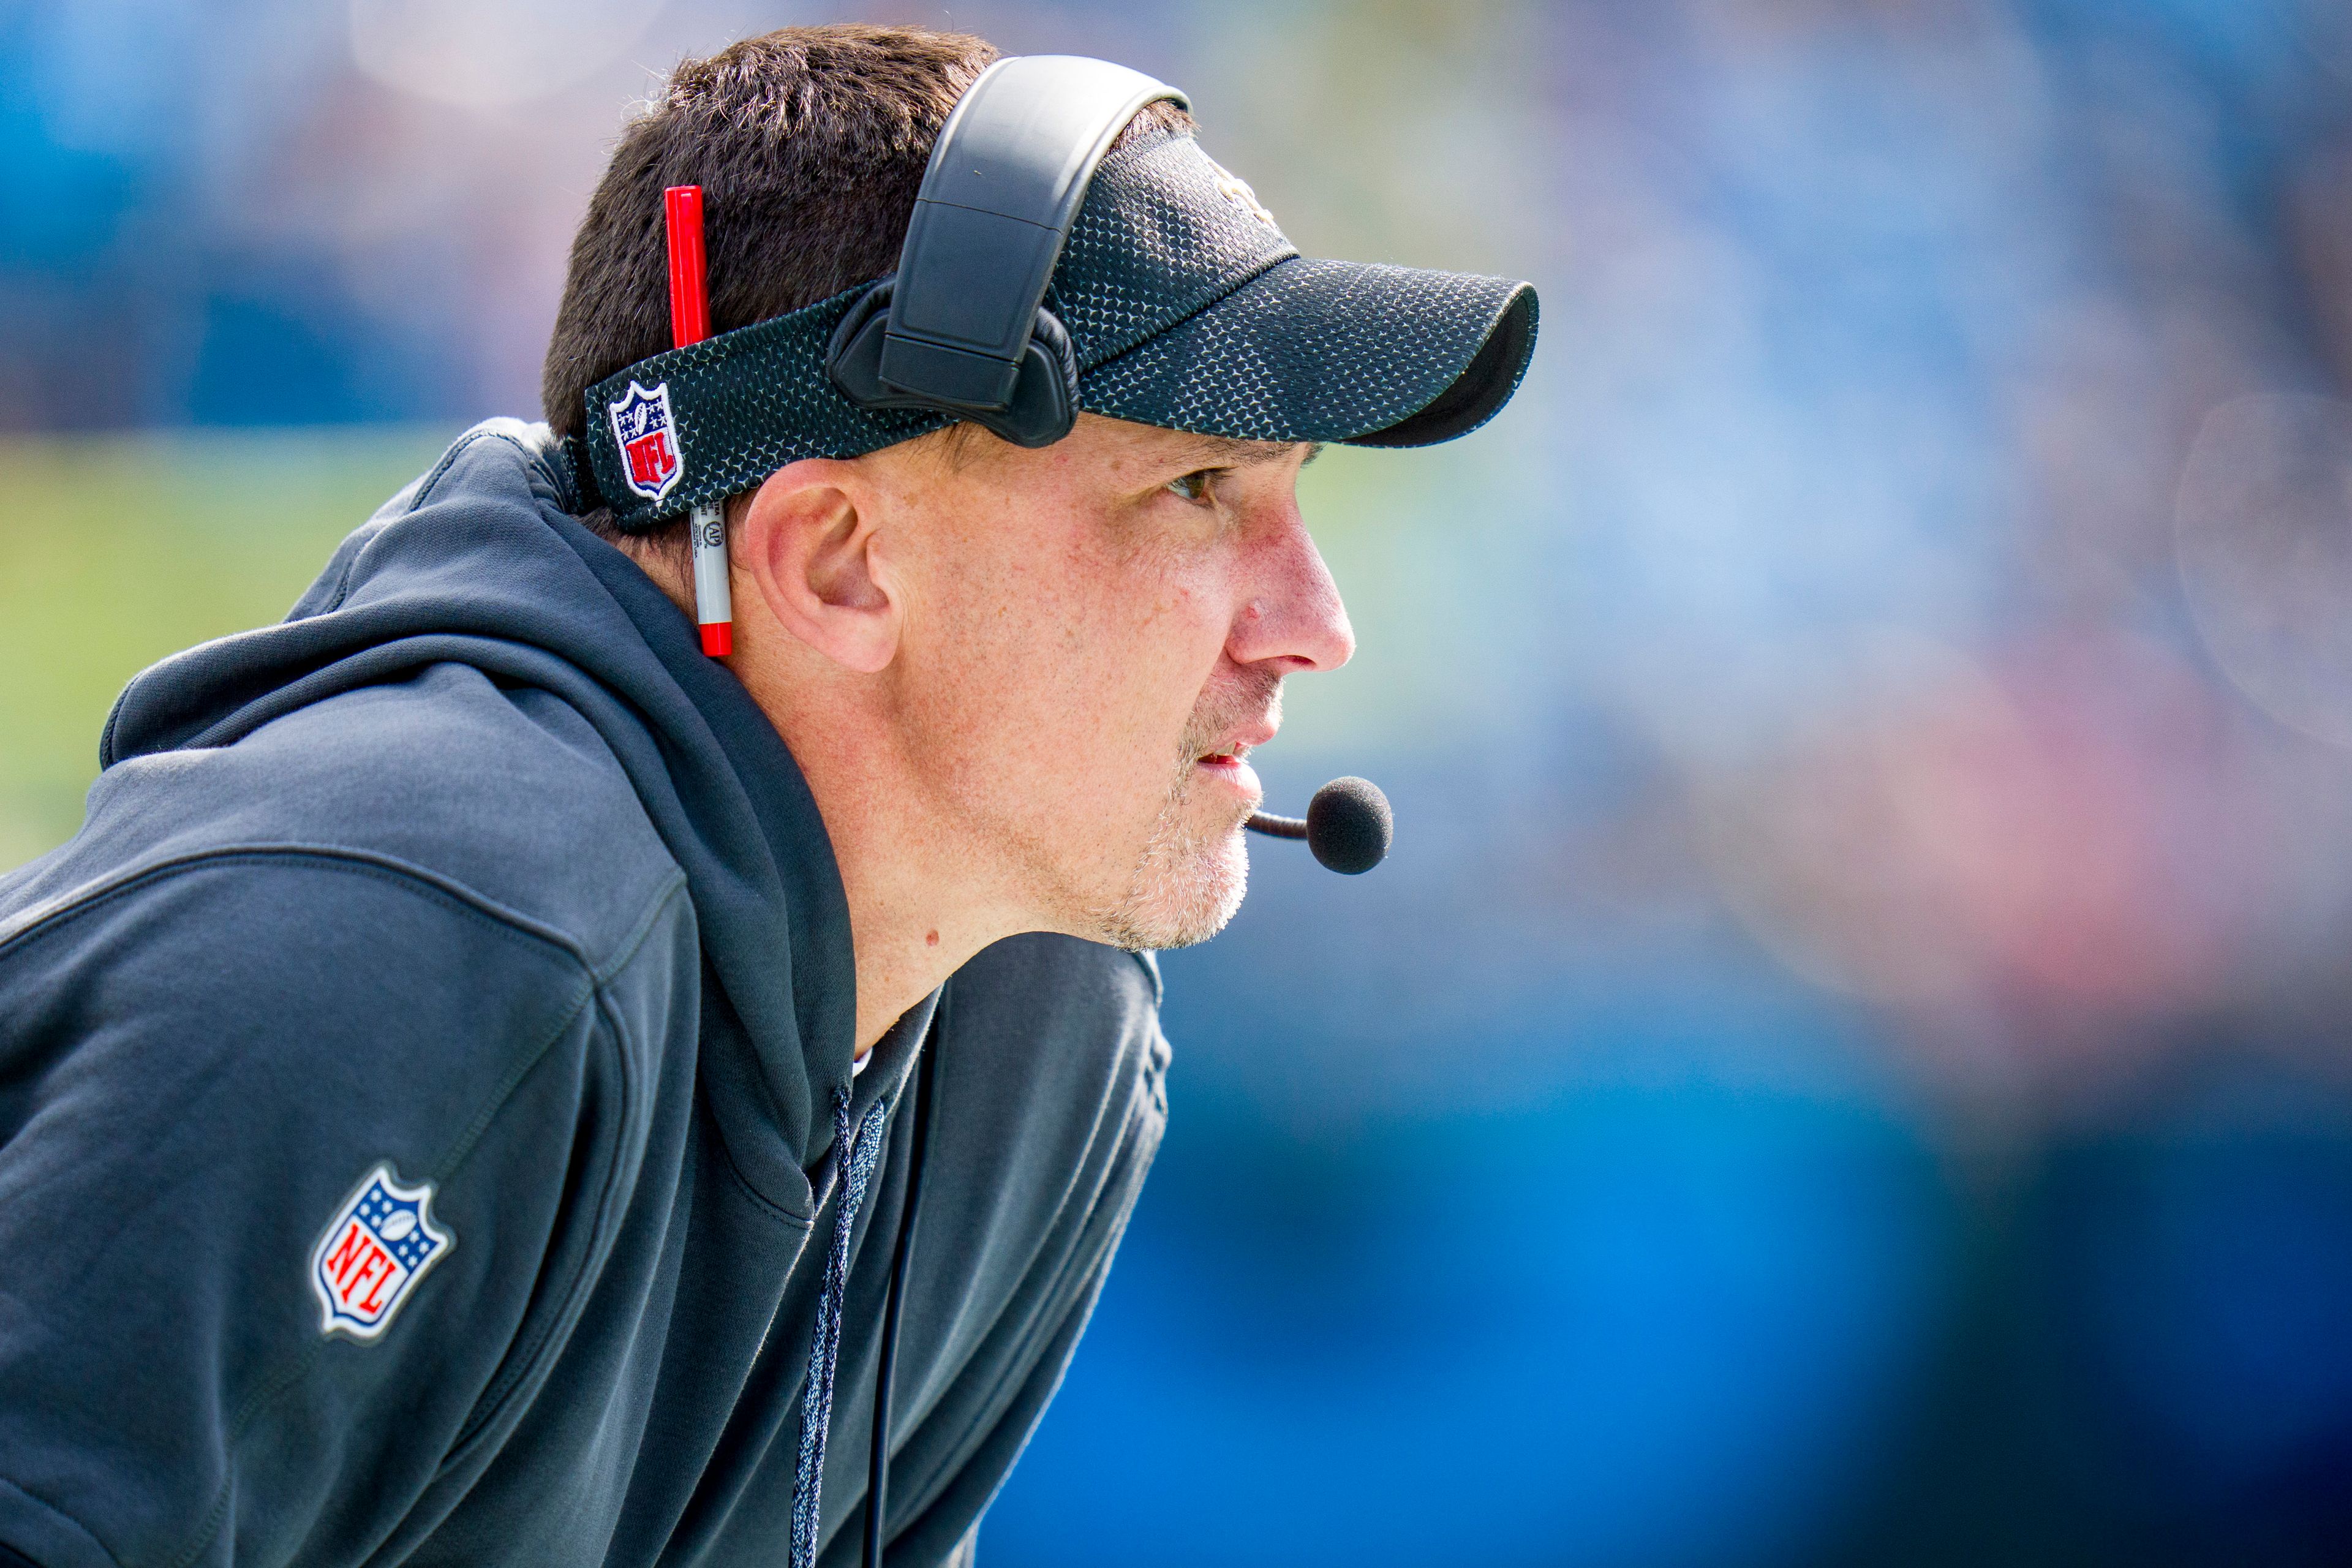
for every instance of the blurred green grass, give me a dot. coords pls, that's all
(118, 550)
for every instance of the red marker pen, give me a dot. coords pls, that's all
(689, 323)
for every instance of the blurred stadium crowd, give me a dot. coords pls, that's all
(1847, 1062)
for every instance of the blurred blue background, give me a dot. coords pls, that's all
(1847, 1062)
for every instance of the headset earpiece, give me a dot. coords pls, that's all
(1045, 396)
(853, 359)
(1044, 403)
(962, 328)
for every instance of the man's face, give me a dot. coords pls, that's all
(1095, 636)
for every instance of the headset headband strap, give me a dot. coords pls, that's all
(1004, 185)
(735, 408)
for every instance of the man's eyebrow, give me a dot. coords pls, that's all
(1233, 452)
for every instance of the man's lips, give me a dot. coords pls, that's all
(1241, 740)
(1230, 772)
(1228, 762)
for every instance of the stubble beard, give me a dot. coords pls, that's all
(1189, 880)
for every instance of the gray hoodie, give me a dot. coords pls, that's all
(418, 1091)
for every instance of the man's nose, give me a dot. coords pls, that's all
(1290, 612)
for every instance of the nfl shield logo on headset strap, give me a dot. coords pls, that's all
(647, 438)
(376, 1248)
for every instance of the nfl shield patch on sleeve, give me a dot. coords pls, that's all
(376, 1248)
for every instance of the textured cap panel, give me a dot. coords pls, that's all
(1310, 351)
(1164, 233)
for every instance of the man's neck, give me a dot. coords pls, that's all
(913, 919)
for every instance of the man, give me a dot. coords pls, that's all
(450, 1086)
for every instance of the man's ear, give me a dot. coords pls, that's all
(807, 538)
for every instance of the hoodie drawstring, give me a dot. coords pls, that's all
(853, 1164)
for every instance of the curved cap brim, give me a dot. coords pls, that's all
(1331, 350)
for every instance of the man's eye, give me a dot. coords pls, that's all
(1194, 486)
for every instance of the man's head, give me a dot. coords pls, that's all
(1030, 672)
(1056, 658)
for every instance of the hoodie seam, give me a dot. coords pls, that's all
(743, 1183)
(457, 449)
(523, 1365)
(54, 1512)
(624, 951)
(557, 1329)
(476, 905)
(598, 979)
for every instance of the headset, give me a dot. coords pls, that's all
(962, 328)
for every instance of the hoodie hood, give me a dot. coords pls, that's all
(479, 563)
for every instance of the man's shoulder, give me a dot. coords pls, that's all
(393, 902)
(507, 797)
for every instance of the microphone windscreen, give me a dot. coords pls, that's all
(1349, 825)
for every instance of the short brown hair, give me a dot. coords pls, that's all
(809, 144)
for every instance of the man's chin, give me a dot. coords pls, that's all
(1186, 888)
